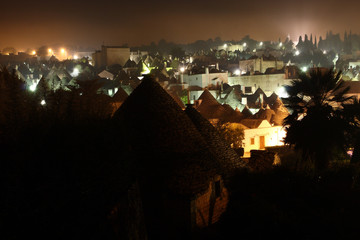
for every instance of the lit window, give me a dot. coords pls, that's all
(252, 141)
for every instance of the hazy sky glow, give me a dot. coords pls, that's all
(30, 24)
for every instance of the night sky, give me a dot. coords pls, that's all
(30, 24)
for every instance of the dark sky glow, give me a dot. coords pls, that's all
(30, 24)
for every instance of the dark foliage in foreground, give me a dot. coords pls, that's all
(62, 183)
(282, 204)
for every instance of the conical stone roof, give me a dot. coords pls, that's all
(120, 95)
(246, 112)
(210, 108)
(265, 113)
(281, 112)
(225, 155)
(236, 116)
(169, 149)
(272, 99)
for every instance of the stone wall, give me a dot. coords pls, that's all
(269, 83)
(209, 206)
(261, 160)
(127, 216)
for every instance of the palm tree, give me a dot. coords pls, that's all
(315, 126)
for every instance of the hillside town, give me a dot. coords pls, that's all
(241, 83)
(166, 141)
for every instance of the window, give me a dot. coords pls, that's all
(217, 189)
(248, 90)
(252, 141)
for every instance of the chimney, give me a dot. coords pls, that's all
(188, 97)
(261, 98)
(206, 70)
(217, 66)
(244, 100)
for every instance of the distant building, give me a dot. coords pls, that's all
(138, 56)
(269, 83)
(21, 57)
(79, 55)
(231, 48)
(260, 64)
(259, 133)
(354, 64)
(110, 55)
(106, 74)
(206, 79)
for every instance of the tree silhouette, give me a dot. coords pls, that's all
(233, 136)
(351, 114)
(14, 111)
(315, 126)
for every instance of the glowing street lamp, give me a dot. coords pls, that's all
(297, 53)
(304, 69)
(50, 51)
(244, 44)
(225, 45)
(182, 69)
(62, 51)
(33, 52)
(237, 72)
(75, 72)
(33, 87)
(261, 43)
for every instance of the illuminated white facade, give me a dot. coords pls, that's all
(206, 79)
(269, 83)
(262, 136)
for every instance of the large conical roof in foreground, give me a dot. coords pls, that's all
(169, 148)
